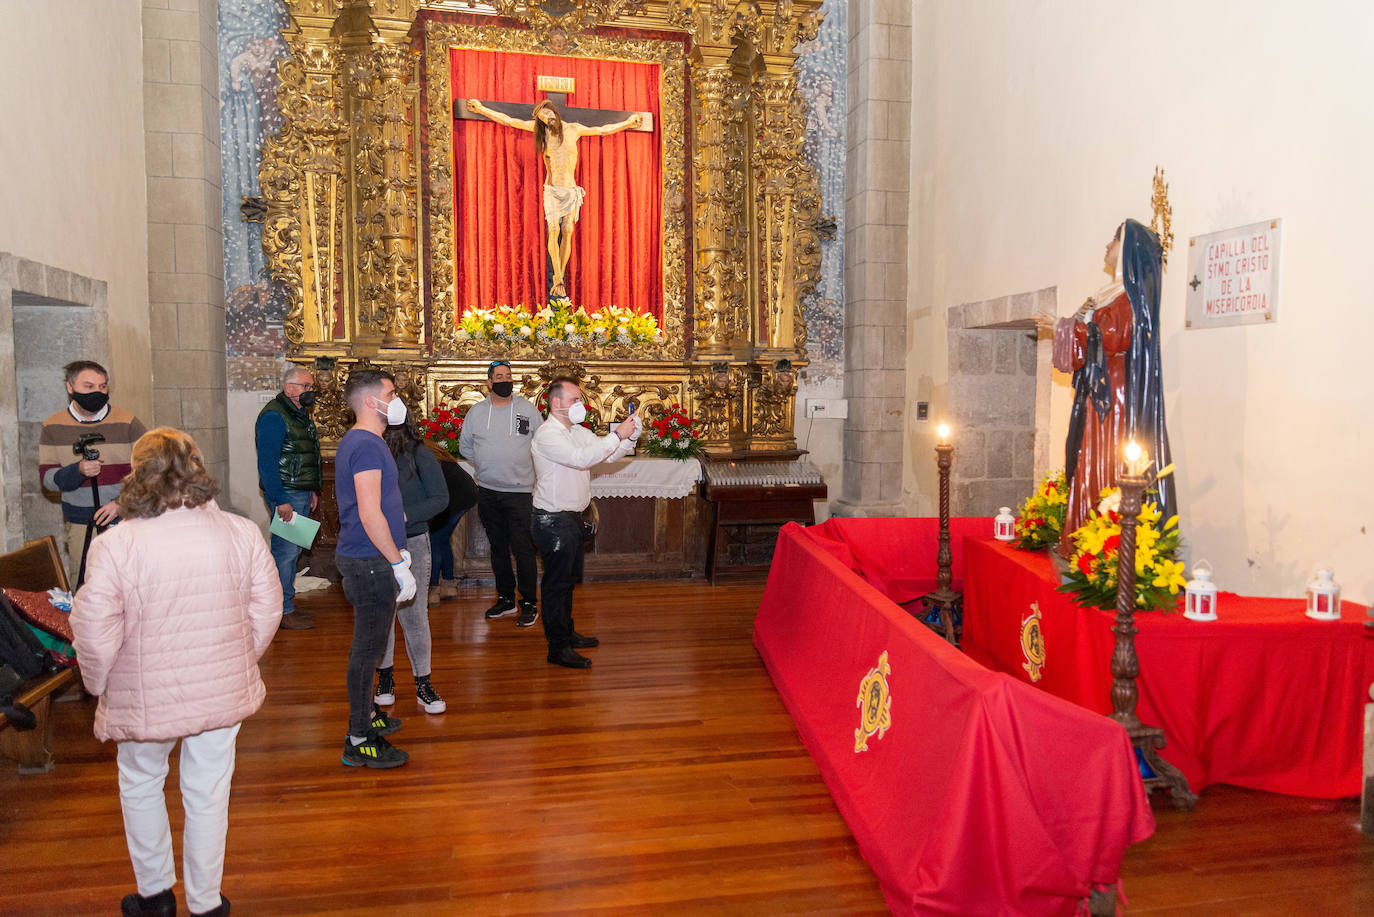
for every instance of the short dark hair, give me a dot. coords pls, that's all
(491, 370)
(362, 382)
(557, 385)
(77, 367)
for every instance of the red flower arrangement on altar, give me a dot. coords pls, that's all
(672, 434)
(443, 426)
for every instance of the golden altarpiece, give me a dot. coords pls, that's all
(360, 205)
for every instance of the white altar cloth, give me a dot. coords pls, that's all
(640, 476)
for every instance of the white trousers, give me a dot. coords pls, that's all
(207, 769)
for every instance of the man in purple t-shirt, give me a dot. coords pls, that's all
(371, 557)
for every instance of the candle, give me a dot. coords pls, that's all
(1137, 459)
(944, 434)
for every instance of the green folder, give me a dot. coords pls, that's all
(300, 530)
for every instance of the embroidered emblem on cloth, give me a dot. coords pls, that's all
(875, 704)
(1032, 643)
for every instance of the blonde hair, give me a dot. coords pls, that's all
(168, 473)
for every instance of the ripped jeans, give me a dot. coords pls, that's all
(559, 537)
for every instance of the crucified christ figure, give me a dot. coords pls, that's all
(556, 141)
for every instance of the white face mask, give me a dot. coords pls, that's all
(577, 413)
(395, 412)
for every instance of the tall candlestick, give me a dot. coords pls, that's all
(944, 598)
(1125, 664)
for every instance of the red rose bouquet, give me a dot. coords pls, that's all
(671, 434)
(443, 426)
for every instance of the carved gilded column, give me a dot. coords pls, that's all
(718, 196)
(784, 182)
(305, 188)
(382, 97)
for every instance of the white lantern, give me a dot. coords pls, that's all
(1200, 594)
(1324, 597)
(1004, 525)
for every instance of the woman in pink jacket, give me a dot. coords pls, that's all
(180, 601)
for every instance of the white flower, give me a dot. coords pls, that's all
(569, 328)
(463, 335)
(526, 331)
(498, 328)
(1110, 503)
(600, 332)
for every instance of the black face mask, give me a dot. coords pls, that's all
(502, 389)
(90, 402)
(307, 399)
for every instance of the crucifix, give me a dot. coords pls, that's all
(556, 128)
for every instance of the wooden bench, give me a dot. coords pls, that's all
(36, 567)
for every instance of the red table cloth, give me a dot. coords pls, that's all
(1264, 697)
(982, 796)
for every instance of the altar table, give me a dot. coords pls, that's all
(982, 795)
(1264, 697)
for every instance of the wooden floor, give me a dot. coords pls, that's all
(667, 779)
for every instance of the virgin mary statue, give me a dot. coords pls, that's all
(1112, 348)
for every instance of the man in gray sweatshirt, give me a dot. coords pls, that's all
(496, 438)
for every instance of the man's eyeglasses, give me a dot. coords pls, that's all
(308, 386)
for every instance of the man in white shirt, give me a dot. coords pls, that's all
(563, 451)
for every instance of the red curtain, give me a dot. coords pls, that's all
(498, 183)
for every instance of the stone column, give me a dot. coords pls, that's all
(185, 241)
(876, 215)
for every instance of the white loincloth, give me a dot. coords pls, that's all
(559, 202)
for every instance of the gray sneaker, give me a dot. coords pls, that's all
(529, 613)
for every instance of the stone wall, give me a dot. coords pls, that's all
(995, 395)
(878, 133)
(185, 246)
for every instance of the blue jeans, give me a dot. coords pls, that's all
(441, 549)
(285, 553)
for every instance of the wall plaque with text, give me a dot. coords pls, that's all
(1233, 276)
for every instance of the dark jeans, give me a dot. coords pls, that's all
(286, 553)
(559, 537)
(441, 549)
(371, 589)
(506, 517)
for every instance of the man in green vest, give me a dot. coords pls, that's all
(289, 474)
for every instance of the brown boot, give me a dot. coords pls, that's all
(434, 596)
(448, 589)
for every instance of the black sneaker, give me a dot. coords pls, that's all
(375, 752)
(529, 613)
(386, 688)
(382, 724)
(427, 697)
(504, 607)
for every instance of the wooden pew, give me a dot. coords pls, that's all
(36, 567)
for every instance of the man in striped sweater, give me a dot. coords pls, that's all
(66, 472)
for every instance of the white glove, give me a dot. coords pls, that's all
(639, 428)
(404, 578)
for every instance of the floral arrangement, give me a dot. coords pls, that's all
(443, 426)
(1158, 574)
(672, 434)
(559, 321)
(1042, 515)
